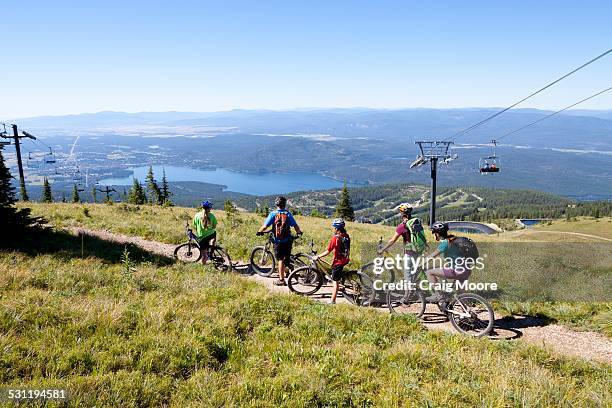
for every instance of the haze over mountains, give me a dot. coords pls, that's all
(569, 154)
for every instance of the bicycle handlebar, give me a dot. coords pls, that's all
(271, 233)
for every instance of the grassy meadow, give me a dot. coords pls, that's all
(120, 327)
(166, 224)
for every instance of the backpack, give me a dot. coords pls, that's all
(418, 241)
(345, 246)
(466, 247)
(282, 229)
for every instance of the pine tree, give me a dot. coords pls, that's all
(229, 208)
(94, 194)
(165, 189)
(47, 196)
(154, 193)
(136, 194)
(75, 194)
(15, 222)
(344, 209)
(231, 212)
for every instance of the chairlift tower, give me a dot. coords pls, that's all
(433, 152)
(16, 137)
(106, 190)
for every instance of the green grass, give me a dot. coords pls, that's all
(160, 334)
(601, 227)
(167, 225)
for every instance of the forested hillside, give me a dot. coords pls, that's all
(378, 203)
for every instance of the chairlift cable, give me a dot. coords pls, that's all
(554, 113)
(482, 122)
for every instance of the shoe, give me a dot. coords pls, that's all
(435, 298)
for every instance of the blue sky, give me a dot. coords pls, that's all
(65, 57)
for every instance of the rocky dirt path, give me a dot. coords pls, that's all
(557, 338)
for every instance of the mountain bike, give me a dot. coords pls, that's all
(355, 286)
(263, 261)
(469, 313)
(191, 252)
(387, 276)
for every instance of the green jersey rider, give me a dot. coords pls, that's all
(205, 224)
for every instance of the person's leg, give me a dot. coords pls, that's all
(204, 250)
(336, 275)
(408, 271)
(281, 251)
(433, 276)
(335, 287)
(281, 270)
(286, 258)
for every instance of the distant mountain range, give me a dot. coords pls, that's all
(569, 154)
(571, 129)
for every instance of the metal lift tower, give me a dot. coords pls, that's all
(433, 152)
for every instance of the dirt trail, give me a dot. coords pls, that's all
(557, 338)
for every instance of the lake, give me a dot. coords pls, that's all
(248, 183)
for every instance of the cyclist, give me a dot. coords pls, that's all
(281, 221)
(448, 252)
(205, 225)
(340, 244)
(413, 236)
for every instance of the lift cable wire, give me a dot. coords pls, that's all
(482, 122)
(554, 113)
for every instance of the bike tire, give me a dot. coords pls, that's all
(220, 259)
(188, 252)
(263, 261)
(388, 276)
(299, 260)
(357, 288)
(473, 325)
(406, 302)
(305, 281)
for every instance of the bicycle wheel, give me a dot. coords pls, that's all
(262, 261)
(220, 259)
(298, 260)
(357, 288)
(406, 302)
(386, 276)
(305, 280)
(471, 314)
(188, 252)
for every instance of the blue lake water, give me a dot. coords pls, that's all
(248, 183)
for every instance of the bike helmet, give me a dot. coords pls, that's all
(439, 226)
(280, 201)
(207, 204)
(338, 223)
(405, 208)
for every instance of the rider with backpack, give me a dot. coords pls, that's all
(340, 244)
(413, 235)
(455, 251)
(281, 222)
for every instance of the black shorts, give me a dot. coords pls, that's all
(337, 272)
(204, 243)
(282, 251)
